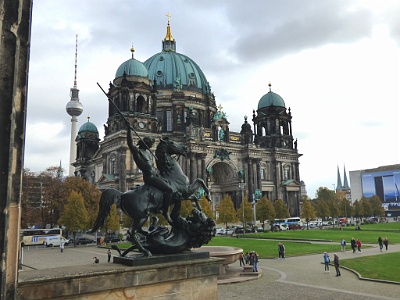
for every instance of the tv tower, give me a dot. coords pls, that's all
(74, 109)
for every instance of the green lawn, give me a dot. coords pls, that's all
(334, 235)
(269, 249)
(385, 266)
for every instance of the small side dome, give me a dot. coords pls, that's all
(271, 99)
(132, 67)
(88, 131)
(88, 127)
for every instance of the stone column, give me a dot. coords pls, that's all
(122, 169)
(15, 29)
(203, 167)
(193, 169)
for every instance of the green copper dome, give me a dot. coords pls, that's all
(271, 99)
(132, 67)
(88, 127)
(88, 131)
(173, 70)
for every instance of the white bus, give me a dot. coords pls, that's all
(38, 236)
(294, 220)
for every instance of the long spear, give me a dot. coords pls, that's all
(126, 120)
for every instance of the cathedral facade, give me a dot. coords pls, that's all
(169, 96)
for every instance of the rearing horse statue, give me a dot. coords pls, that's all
(143, 200)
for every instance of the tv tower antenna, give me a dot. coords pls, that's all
(74, 109)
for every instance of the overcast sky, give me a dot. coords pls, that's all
(335, 63)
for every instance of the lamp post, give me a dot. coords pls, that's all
(241, 187)
(257, 196)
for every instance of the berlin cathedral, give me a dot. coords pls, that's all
(169, 96)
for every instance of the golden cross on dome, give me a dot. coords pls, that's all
(169, 17)
(220, 107)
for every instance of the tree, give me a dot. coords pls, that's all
(376, 206)
(367, 208)
(112, 220)
(358, 209)
(265, 211)
(206, 207)
(322, 209)
(91, 194)
(281, 210)
(248, 211)
(333, 208)
(227, 212)
(307, 211)
(323, 193)
(186, 208)
(74, 217)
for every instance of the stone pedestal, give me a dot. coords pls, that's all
(188, 278)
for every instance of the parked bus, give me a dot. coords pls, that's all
(294, 223)
(38, 236)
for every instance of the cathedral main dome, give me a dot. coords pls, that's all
(172, 70)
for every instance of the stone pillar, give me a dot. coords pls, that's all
(198, 165)
(203, 167)
(193, 169)
(122, 169)
(15, 28)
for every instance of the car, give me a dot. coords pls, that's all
(221, 231)
(84, 241)
(229, 231)
(240, 230)
(112, 239)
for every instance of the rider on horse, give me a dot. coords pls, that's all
(143, 158)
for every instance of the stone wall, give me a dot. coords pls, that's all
(189, 280)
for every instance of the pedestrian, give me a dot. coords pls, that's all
(95, 260)
(343, 244)
(327, 260)
(336, 264)
(247, 258)
(353, 244)
(281, 251)
(386, 243)
(62, 244)
(241, 259)
(254, 258)
(109, 255)
(380, 243)
(358, 243)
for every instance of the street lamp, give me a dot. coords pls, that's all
(257, 196)
(241, 187)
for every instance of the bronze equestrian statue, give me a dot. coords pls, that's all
(148, 199)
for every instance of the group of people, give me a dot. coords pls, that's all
(385, 242)
(356, 244)
(327, 262)
(250, 258)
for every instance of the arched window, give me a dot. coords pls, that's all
(140, 104)
(286, 172)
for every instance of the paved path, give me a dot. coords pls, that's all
(297, 278)
(303, 277)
